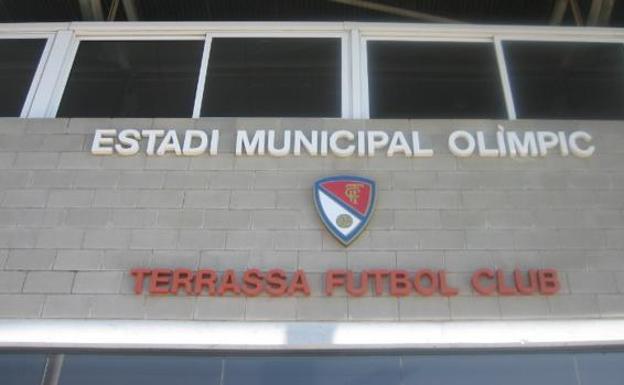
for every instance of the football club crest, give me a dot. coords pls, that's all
(345, 204)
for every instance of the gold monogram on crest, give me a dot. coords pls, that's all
(352, 191)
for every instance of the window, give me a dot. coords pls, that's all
(19, 59)
(139, 370)
(21, 369)
(434, 80)
(562, 80)
(133, 79)
(287, 77)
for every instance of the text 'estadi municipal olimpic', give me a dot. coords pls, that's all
(318, 192)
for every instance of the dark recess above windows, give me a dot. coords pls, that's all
(519, 12)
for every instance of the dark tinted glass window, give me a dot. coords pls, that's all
(273, 77)
(566, 80)
(19, 59)
(601, 368)
(434, 80)
(138, 370)
(133, 79)
(311, 370)
(21, 369)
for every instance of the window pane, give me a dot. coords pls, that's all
(601, 368)
(273, 77)
(508, 369)
(311, 370)
(135, 370)
(434, 80)
(19, 59)
(21, 369)
(133, 79)
(566, 80)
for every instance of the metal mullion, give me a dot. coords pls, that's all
(201, 79)
(504, 76)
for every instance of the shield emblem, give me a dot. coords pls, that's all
(345, 204)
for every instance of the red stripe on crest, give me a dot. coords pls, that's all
(354, 194)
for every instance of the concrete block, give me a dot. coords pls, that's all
(227, 219)
(253, 199)
(541, 239)
(207, 199)
(220, 308)
(510, 219)
(441, 239)
(320, 261)
(68, 306)
(154, 239)
(46, 282)
(462, 219)
(414, 260)
(271, 309)
(106, 239)
(276, 180)
(161, 199)
(201, 239)
(11, 281)
(484, 199)
(611, 305)
(591, 282)
(133, 218)
(524, 307)
(186, 180)
(489, 239)
(30, 259)
(70, 198)
(574, 306)
(582, 239)
(417, 219)
(397, 199)
(36, 160)
(249, 240)
(322, 309)
(25, 198)
(87, 217)
(97, 282)
(21, 306)
(95, 178)
(373, 309)
(174, 308)
(227, 180)
(465, 308)
(185, 218)
(424, 309)
(125, 259)
(265, 260)
(141, 179)
(118, 307)
(437, 199)
(363, 260)
(14, 179)
(116, 198)
(409, 180)
(169, 162)
(60, 238)
(275, 219)
(79, 161)
(78, 260)
(297, 240)
(221, 260)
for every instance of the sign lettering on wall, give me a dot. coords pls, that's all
(342, 143)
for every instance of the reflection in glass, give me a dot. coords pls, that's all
(19, 59)
(433, 80)
(133, 79)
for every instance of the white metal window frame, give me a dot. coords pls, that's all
(64, 38)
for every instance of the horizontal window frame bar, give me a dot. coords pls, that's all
(309, 336)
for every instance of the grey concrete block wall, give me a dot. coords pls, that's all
(72, 224)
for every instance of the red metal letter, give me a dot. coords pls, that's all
(421, 289)
(399, 283)
(333, 278)
(445, 289)
(476, 281)
(549, 281)
(139, 277)
(159, 284)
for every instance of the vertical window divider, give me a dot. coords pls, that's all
(504, 77)
(37, 78)
(347, 74)
(364, 102)
(356, 86)
(201, 79)
(44, 98)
